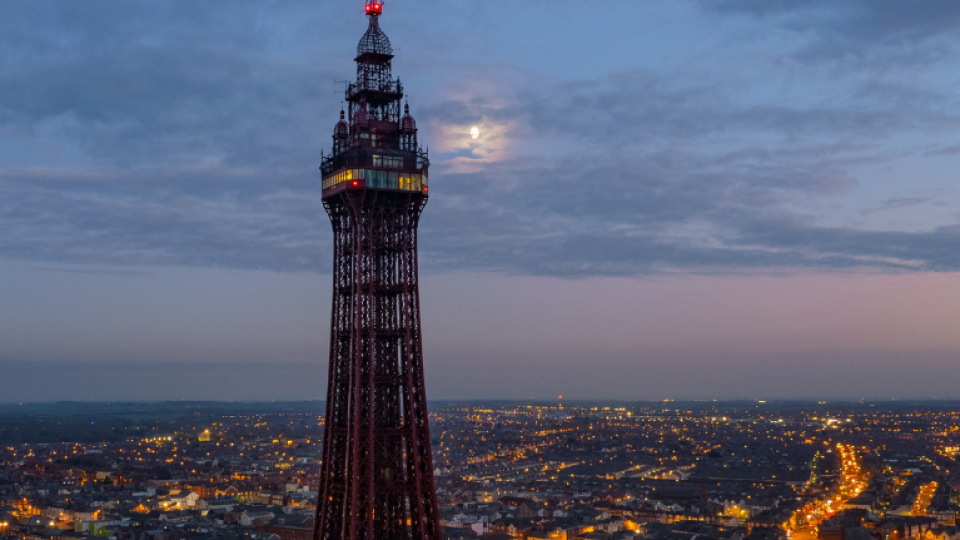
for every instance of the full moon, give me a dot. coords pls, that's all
(474, 132)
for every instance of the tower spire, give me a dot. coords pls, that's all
(374, 40)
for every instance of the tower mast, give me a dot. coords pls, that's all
(376, 479)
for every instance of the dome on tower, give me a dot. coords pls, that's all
(374, 40)
(342, 129)
(407, 123)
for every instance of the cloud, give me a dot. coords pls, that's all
(187, 134)
(165, 221)
(891, 17)
(947, 151)
(651, 174)
(859, 31)
(180, 129)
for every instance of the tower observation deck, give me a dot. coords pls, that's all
(376, 479)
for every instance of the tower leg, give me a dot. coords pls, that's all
(377, 473)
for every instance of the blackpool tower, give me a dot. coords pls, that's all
(376, 481)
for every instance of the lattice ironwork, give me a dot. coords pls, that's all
(374, 40)
(376, 480)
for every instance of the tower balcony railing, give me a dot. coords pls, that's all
(389, 87)
(352, 159)
(423, 162)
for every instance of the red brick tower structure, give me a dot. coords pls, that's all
(376, 481)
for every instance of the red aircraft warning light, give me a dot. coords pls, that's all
(374, 7)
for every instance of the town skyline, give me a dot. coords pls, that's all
(607, 471)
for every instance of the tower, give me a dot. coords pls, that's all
(376, 481)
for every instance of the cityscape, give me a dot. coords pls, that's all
(748, 205)
(526, 471)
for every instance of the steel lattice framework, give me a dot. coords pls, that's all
(376, 480)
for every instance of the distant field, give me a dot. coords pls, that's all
(105, 421)
(95, 422)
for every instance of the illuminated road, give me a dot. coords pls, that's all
(852, 484)
(923, 499)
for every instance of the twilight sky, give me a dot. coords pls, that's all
(668, 198)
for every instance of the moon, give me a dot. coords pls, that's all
(474, 132)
